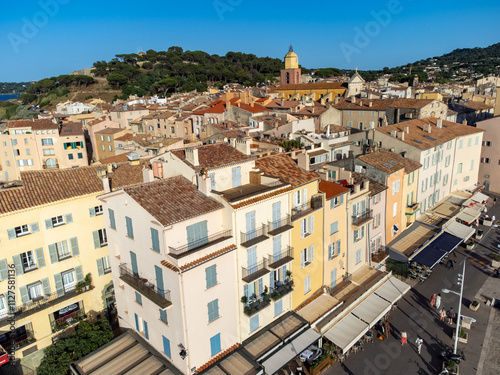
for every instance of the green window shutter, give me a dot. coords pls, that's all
(163, 316)
(40, 259)
(138, 298)
(53, 253)
(146, 332)
(48, 224)
(79, 274)
(59, 284)
(92, 211)
(34, 227)
(155, 240)
(159, 280)
(74, 246)
(97, 242)
(100, 267)
(69, 218)
(24, 294)
(46, 286)
(133, 261)
(4, 271)
(11, 233)
(18, 264)
(112, 223)
(130, 228)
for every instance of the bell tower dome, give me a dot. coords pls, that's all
(292, 73)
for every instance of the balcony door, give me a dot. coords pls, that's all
(197, 235)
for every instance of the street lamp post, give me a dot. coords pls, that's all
(461, 282)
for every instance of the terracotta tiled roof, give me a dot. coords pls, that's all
(109, 131)
(217, 358)
(363, 104)
(71, 129)
(411, 103)
(35, 125)
(278, 103)
(313, 86)
(122, 158)
(172, 200)
(215, 107)
(384, 160)
(207, 257)
(214, 156)
(311, 111)
(283, 167)
(375, 186)
(125, 137)
(44, 187)
(170, 266)
(476, 105)
(260, 198)
(331, 189)
(340, 144)
(423, 140)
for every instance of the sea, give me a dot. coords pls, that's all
(4, 97)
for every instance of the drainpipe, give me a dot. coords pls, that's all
(368, 238)
(349, 228)
(184, 323)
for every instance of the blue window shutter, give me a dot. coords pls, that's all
(18, 264)
(276, 248)
(23, 290)
(92, 211)
(40, 259)
(155, 240)
(332, 203)
(112, 223)
(163, 316)
(211, 276)
(215, 346)
(276, 214)
(261, 287)
(133, 261)
(130, 228)
(341, 199)
(34, 227)
(236, 174)
(53, 253)
(212, 180)
(271, 281)
(338, 247)
(79, 274)
(254, 322)
(252, 258)
(97, 242)
(69, 218)
(333, 278)
(166, 347)
(46, 286)
(250, 221)
(100, 267)
(283, 272)
(330, 251)
(245, 291)
(159, 280)
(138, 298)
(59, 284)
(74, 246)
(11, 233)
(48, 224)
(136, 322)
(197, 234)
(4, 271)
(278, 307)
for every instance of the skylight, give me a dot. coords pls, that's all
(429, 137)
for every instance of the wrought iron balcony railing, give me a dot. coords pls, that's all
(277, 260)
(179, 252)
(255, 271)
(279, 226)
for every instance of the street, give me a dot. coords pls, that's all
(415, 316)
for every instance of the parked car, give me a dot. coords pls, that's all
(310, 354)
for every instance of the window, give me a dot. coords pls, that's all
(110, 148)
(331, 251)
(28, 260)
(278, 307)
(111, 214)
(166, 347)
(487, 143)
(213, 310)
(28, 151)
(477, 140)
(211, 276)
(47, 142)
(447, 161)
(337, 201)
(108, 138)
(460, 144)
(236, 176)
(58, 220)
(358, 256)
(334, 227)
(48, 151)
(95, 211)
(70, 156)
(172, 130)
(307, 256)
(472, 165)
(350, 113)
(395, 187)
(103, 148)
(372, 113)
(102, 138)
(62, 249)
(68, 279)
(35, 291)
(466, 178)
(455, 182)
(130, 229)
(485, 160)
(469, 142)
(411, 178)
(103, 266)
(14, 142)
(338, 247)
(445, 180)
(395, 209)
(163, 316)
(459, 168)
(155, 240)
(349, 124)
(100, 238)
(409, 199)
(215, 344)
(212, 180)
(138, 298)
(359, 234)
(307, 284)
(22, 230)
(80, 155)
(307, 226)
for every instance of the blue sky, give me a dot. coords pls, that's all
(50, 37)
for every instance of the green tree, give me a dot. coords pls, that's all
(117, 80)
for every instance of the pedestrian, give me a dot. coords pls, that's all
(443, 314)
(438, 300)
(404, 338)
(450, 315)
(433, 300)
(495, 200)
(419, 343)
(493, 218)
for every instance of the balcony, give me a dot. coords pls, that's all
(254, 272)
(276, 261)
(44, 302)
(67, 320)
(148, 290)
(280, 226)
(380, 255)
(256, 304)
(281, 289)
(410, 210)
(363, 218)
(179, 252)
(251, 238)
(315, 203)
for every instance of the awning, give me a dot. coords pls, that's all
(469, 215)
(347, 331)
(480, 197)
(393, 290)
(432, 254)
(290, 351)
(372, 309)
(459, 230)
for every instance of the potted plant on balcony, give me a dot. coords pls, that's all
(244, 300)
(88, 280)
(288, 275)
(79, 287)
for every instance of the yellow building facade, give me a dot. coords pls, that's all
(410, 191)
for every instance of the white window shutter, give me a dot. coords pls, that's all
(312, 224)
(312, 253)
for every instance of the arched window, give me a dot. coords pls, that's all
(51, 163)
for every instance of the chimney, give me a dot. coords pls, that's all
(303, 161)
(228, 104)
(427, 128)
(106, 185)
(360, 103)
(203, 183)
(439, 123)
(336, 100)
(464, 122)
(353, 99)
(147, 175)
(402, 136)
(192, 156)
(370, 104)
(109, 168)
(282, 102)
(243, 146)
(255, 176)
(407, 129)
(393, 133)
(232, 141)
